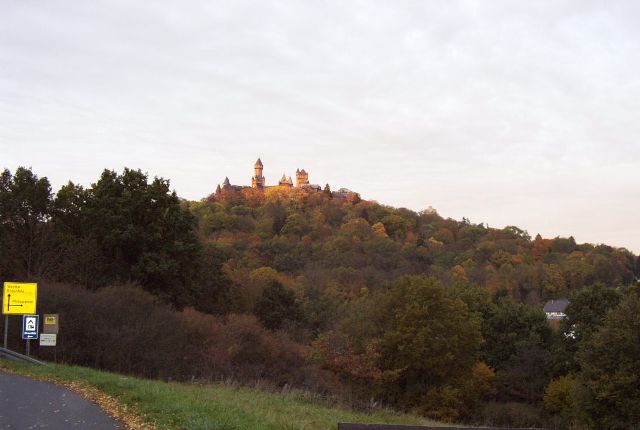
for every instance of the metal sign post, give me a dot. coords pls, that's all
(6, 330)
(18, 298)
(30, 324)
(50, 329)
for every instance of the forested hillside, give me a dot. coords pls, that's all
(349, 298)
(344, 248)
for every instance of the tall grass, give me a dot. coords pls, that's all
(217, 406)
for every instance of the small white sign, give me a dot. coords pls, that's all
(48, 339)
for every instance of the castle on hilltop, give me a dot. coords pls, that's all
(258, 182)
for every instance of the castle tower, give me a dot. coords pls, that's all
(302, 178)
(285, 182)
(226, 185)
(257, 181)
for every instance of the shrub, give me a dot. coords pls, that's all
(125, 329)
(511, 414)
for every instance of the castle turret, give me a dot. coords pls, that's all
(226, 185)
(257, 181)
(285, 182)
(302, 178)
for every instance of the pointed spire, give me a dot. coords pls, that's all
(218, 189)
(327, 191)
(258, 163)
(226, 182)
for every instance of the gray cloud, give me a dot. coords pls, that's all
(504, 112)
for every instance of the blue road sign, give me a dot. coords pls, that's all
(30, 326)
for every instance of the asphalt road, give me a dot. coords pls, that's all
(28, 404)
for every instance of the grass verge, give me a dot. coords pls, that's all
(162, 405)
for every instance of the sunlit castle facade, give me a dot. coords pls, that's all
(258, 181)
(302, 178)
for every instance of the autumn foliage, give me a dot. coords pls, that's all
(361, 301)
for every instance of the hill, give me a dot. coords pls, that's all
(346, 247)
(328, 293)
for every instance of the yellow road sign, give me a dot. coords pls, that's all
(19, 298)
(50, 324)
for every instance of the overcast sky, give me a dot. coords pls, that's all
(504, 112)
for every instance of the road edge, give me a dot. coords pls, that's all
(123, 414)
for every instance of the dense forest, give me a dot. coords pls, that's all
(354, 300)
